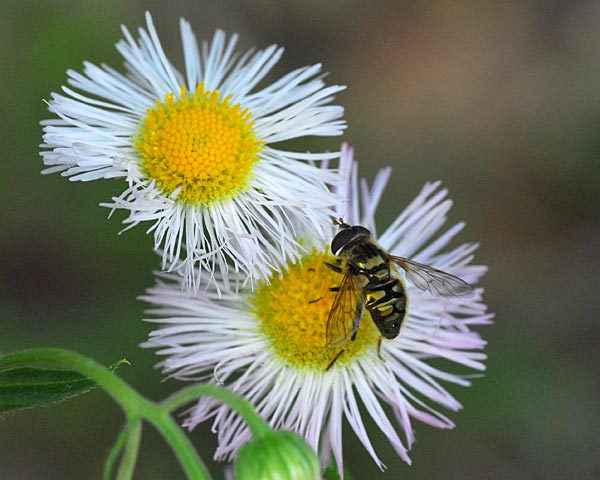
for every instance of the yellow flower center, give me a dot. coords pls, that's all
(293, 311)
(199, 147)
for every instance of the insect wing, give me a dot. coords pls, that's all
(346, 312)
(433, 280)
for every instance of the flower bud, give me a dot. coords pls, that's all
(280, 455)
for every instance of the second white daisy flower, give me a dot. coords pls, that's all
(271, 345)
(197, 150)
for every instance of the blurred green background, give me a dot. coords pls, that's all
(500, 100)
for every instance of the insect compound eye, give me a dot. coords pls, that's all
(342, 238)
(346, 235)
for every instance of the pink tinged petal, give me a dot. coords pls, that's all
(419, 378)
(230, 426)
(373, 406)
(205, 408)
(472, 274)
(467, 358)
(343, 187)
(479, 320)
(370, 198)
(225, 367)
(434, 418)
(388, 387)
(355, 198)
(352, 413)
(459, 255)
(316, 413)
(291, 385)
(417, 208)
(334, 428)
(434, 247)
(460, 341)
(303, 404)
(469, 308)
(422, 229)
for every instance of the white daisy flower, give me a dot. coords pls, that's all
(197, 149)
(270, 345)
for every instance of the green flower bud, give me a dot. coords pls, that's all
(275, 455)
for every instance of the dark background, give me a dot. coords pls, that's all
(500, 100)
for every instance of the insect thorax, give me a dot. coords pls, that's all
(365, 258)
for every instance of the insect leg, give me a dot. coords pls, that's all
(333, 267)
(379, 349)
(315, 300)
(334, 360)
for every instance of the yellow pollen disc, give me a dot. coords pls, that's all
(293, 311)
(198, 146)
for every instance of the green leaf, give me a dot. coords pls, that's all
(32, 387)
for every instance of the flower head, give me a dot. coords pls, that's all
(197, 150)
(271, 345)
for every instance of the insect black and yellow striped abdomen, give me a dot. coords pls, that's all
(386, 302)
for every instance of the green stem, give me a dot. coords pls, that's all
(132, 447)
(244, 408)
(180, 445)
(138, 408)
(116, 450)
(134, 405)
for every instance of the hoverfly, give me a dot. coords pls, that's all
(370, 281)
